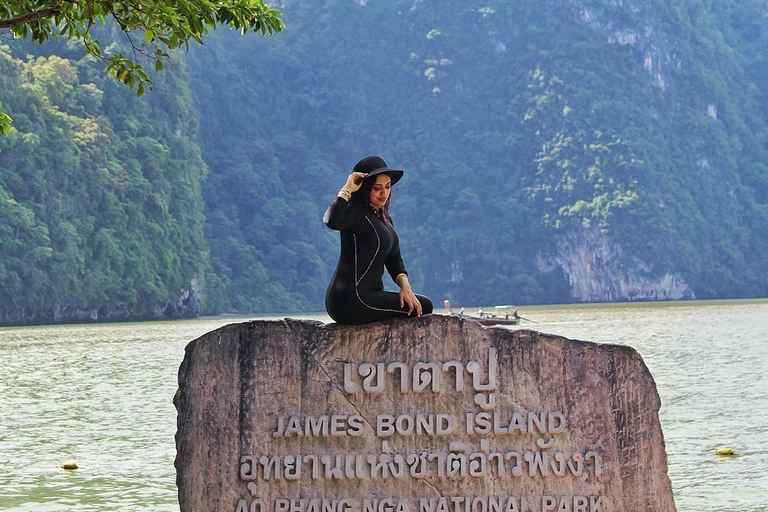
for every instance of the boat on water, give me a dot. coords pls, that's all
(501, 315)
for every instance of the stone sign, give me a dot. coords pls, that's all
(436, 414)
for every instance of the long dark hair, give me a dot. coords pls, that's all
(362, 195)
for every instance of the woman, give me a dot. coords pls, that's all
(369, 243)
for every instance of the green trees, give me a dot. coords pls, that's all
(151, 29)
(517, 122)
(100, 204)
(522, 127)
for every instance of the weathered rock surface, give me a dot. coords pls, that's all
(186, 305)
(487, 419)
(598, 270)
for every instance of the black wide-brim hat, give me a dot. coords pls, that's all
(374, 165)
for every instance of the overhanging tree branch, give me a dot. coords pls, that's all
(50, 11)
(164, 25)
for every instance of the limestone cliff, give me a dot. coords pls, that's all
(186, 305)
(598, 270)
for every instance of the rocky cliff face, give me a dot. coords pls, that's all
(186, 305)
(597, 270)
(639, 27)
(430, 414)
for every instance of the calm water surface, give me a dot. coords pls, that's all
(101, 394)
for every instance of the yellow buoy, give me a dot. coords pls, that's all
(70, 464)
(724, 451)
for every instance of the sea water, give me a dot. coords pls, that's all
(102, 395)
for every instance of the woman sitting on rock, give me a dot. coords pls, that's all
(369, 243)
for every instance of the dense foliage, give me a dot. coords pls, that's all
(151, 28)
(520, 125)
(517, 123)
(100, 201)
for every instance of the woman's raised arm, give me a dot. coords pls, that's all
(336, 216)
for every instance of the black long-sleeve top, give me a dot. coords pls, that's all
(368, 245)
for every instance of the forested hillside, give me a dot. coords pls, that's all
(100, 204)
(554, 151)
(586, 150)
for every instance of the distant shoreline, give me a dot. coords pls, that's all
(525, 309)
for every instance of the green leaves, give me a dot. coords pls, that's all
(128, 72)
(99, 199)
(5, 121)
(162, 25)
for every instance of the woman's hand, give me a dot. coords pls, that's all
(407, 297)
(354, 181)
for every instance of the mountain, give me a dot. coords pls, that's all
(554, 151)
(101, 212)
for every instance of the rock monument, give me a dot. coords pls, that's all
(436, 414)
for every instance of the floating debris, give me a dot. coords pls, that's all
(69, 464)
(724, 451)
